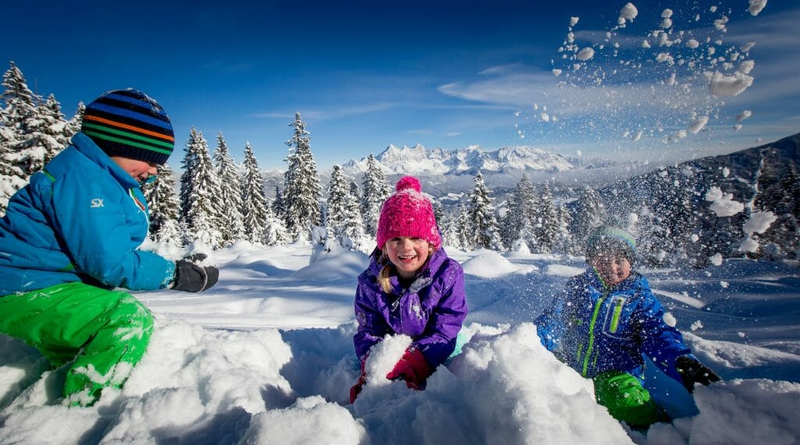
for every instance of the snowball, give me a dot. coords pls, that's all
(585, 54)
(749, 245)
(670, 319)
(716, 259)
(724, 284)
(756, 6)
(728, 86)
(759, 222)
(556, 72)
(723, 203)
(747, 46)
(698, 124)
(628, 12)
(725, 172)
(743, 115)
(746, 66)
(696, 325)
(573, 21)
(692, 43)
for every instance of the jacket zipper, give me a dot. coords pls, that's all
(590, 345)
(615, 317)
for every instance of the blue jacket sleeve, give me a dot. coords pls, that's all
(550, 324)
(90, 217)
(662, 343)
(439, 339)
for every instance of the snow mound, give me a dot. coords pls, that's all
(490, 264)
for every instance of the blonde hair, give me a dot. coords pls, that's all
(384, 276)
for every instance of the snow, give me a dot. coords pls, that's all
(759, 222)
(266, 356)
(721, 85)
(756, 6)
(743, 115)
(722, 203)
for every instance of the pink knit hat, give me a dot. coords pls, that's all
(408, 213)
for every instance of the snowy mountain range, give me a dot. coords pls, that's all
(419, 161)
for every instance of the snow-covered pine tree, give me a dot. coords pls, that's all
(202, 207)
(464, 230)
(255, 212)
(376, 190)
(450, 230)
(353, 235)
(590, 213)
(547, 221)
(301, 185)
(277, 206)
(518, 224)
(53, 127)
(20, 119)
(74, 124)
(482, 218)
(230, 193)
(275, 233)
(344, 216)
(338, 197)
(563, 236)
(164, 208)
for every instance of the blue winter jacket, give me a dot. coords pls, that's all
(81, 218)
(595, 329)
(430, 310)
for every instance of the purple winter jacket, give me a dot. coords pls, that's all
(431, 310)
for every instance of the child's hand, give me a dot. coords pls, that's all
(413, 368)
(190, 277)
(692, 371)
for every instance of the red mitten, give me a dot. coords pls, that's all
(356, 389)
(413, 368)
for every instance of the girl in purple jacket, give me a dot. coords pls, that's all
(411, 287)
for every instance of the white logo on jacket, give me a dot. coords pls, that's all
(97, 202)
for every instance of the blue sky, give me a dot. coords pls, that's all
(442, 73)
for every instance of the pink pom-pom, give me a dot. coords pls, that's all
(408, 182)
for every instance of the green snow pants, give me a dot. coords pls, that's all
(626, 399)
(105, 332)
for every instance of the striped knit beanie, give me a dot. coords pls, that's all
(408, 213)
(128, 123)
(611, 239)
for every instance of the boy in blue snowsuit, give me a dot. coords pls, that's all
(71, 236)
(603, 322)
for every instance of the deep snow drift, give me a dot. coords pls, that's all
(266, 356)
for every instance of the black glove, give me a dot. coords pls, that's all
(692, 371)
(190, 277)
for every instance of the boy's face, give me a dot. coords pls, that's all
(612, 267)
(139, 170)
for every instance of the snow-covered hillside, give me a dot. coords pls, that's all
(266, 356)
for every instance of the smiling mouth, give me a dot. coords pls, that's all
(406, 258)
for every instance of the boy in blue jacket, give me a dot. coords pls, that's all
(603, 322)
(71, 236)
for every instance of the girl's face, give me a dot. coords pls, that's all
(407, 254)
(613, 268)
